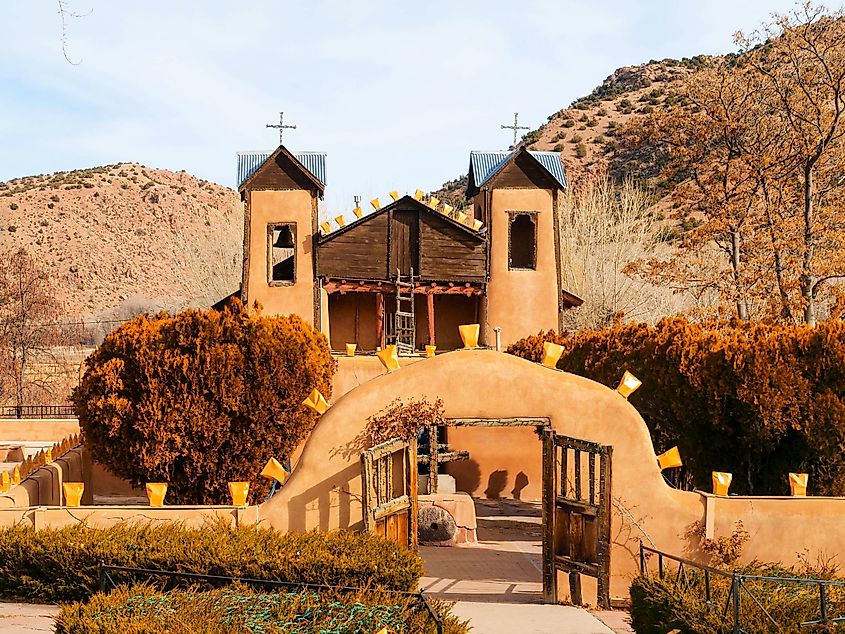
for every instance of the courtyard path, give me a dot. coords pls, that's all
(497, 582)
(25, 618)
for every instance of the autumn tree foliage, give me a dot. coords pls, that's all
(756, 400)
(757, 145)
(201, 398)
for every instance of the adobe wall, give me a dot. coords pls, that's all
(267, 207)
(503, 462)
(325, 489)
(522, 302)
(37, 429)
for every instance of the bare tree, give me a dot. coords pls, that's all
(66, 13)
(29, 333)
(604, 228)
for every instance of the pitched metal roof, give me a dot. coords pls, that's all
(484, 165)
(249, 162)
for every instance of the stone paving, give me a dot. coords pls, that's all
(497, 582)
(25, 618)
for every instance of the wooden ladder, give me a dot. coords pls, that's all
(405, 324)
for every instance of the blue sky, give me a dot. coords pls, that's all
(397, 93)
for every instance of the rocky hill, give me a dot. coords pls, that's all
(586, 133)
(121, 239)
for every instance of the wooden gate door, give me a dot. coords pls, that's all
(389, 484)
(576, 515)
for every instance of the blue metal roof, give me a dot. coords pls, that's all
(484, 165)
(249, 162)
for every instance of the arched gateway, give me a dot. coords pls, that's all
(325, 489)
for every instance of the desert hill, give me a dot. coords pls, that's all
(120, 239)
(586, 133)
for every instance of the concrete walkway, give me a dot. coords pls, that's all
(25, 618)
(497, 582)
(498, 618)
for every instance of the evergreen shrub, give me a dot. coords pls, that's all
(52, 566)
(236, 609)
(755, 400)
(201, 398)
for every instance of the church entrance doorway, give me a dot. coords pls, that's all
(541, 508)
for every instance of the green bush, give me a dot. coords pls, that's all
(236, 609)
(662, 605)
(657, 609)
(755, 400)
(50, 566)
(201, 398)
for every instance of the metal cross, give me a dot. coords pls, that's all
(515, 127)
(281, 126)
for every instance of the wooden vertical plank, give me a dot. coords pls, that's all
(549, 493)
(380, 319)
(368, 493)
(577, 474)
(575, 588)
(592, 460)
(606, 495)
(430, 306)
(564, 470)
(433, 459)
(413, 538)
(389, 466)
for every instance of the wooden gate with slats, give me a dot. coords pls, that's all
(389, 484)
(576, 515)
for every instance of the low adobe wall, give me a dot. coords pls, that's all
(325, 489)
(47, 430)
(38, 500)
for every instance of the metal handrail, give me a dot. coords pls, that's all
(106, 579)
(37, 411)
(738, 585)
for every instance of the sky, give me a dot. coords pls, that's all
(397, 93)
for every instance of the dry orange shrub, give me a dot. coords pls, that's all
(753, 399)
(201, 398)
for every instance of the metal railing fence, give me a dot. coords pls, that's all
(108, 582)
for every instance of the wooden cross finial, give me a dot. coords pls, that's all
(515, 127)
(281, 126)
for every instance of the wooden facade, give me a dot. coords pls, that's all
(403, 236)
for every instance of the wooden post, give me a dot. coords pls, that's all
(549, 493)
(430, 306)
(433, 455)
(380, 319)
(413, 484)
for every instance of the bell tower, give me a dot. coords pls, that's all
(280, 192)
(516, 195)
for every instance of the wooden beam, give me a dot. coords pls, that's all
(364, 286)
(499, 422)
(380, 319)
(430, 306)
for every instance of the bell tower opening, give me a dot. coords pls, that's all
(522, 242)
(281, 253)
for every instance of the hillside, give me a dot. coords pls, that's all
(124, 238)
(586, 133)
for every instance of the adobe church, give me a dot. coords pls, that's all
(408, 272)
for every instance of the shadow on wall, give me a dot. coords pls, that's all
(496, 483)
(326, 499)
(467, 475)
(519, 484)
